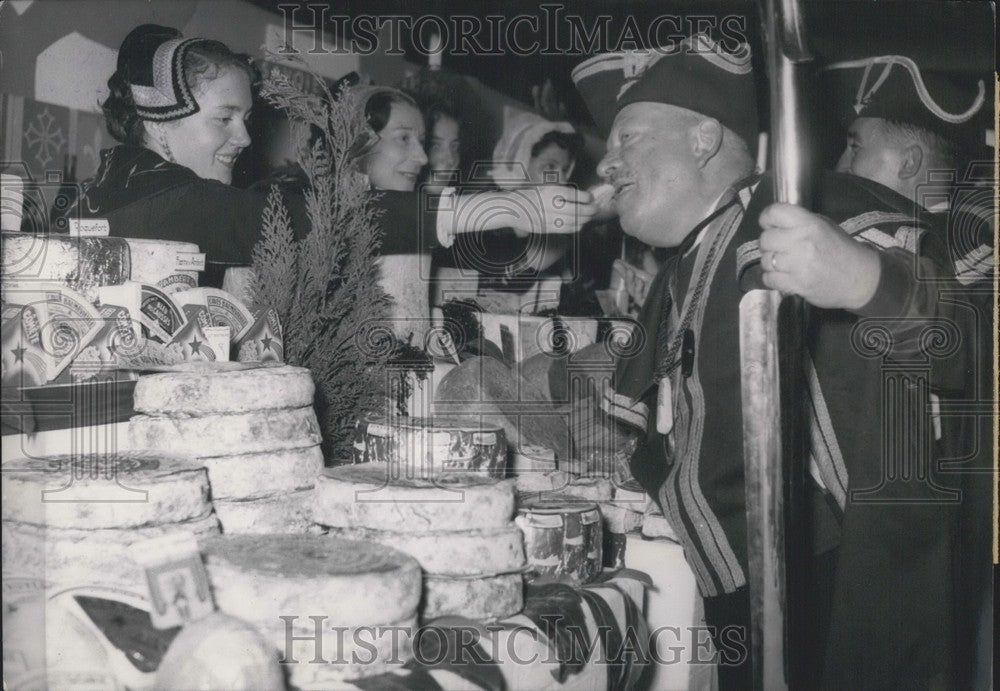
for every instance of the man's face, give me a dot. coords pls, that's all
(870, 154)
(651, 164)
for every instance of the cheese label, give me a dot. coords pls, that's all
(56, 324)
(159, 315)
(89, 227)
(176, 579)
(262, 342)
(189, 261)
(176, 283)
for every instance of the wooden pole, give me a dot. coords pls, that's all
(770, 334)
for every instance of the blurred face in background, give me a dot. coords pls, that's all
(443, 151)
(553, 164)
(395, 162)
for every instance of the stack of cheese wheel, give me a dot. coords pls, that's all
(252, 426)
(339, 609)
(71, 521)
(459, 528)
(430, 447)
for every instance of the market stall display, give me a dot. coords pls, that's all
(254, 429)
(459, 528)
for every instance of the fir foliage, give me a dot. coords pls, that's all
(325, 285)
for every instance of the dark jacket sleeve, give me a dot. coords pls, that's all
(408, 221)
(223, 221)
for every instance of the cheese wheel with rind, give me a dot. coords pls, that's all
(81, 263)
(430, 447)
(349, 652)
(481, 599)
(74, 557)
(452, 553)
(260, 578)
(286, 513)
(220, 435)
(267, 474)
(130, 489)
(364, 495)
(205, 391)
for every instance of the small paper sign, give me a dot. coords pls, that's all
(189, 261)
(89, 227)
(176, 579)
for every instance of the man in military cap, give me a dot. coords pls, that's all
(682, 123)
(905, 125)
(918, 132)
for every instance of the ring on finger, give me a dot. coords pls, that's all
(774, 261)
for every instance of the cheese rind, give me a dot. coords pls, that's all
(220, 435)
(114, 491)
(257, 475)
(207, 392)
(286, 513)
(367, 495)
(74, 557)
(481, 599)
(262, 577)
(452, 553)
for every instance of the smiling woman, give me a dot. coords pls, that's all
(179, 108)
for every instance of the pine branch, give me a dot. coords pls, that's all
(328, 281)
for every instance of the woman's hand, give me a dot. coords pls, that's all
(541, 209)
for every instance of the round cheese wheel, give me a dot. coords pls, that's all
(428, 447)
(113, 491)
(452, 553)
(366, 495)
(75, 557)
(481, 599)
(210, 390)
(263, 577)
(287, 513)
(221, 435)
(81, 263)
(255, 475)
(347, 652)
(220, 652)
